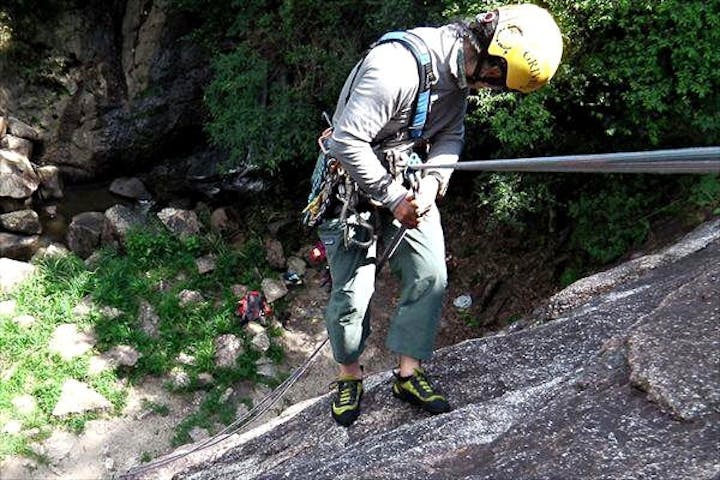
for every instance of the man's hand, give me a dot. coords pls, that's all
(406, 211)
(426, 194)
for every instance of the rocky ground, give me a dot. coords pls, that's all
(614, 377)
(505, 278)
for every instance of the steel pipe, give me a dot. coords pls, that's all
(700, 160)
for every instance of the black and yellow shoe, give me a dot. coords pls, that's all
(346, 402)
(418, 390)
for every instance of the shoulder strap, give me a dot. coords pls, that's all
(419, 49)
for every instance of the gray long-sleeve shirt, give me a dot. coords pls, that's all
(381, 96)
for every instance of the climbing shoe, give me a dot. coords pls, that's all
(346, 402)
(418, 390)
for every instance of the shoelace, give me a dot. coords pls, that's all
(423, 383)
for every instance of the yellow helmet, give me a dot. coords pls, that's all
(529, 40)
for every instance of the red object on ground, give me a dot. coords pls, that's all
(317, 253)
(253, 308)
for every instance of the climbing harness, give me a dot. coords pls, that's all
(412, 176)
(330, 183)
(425, 73)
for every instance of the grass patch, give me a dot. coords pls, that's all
(147, 275)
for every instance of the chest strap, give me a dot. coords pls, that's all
(419, 49)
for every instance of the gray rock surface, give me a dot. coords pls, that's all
(19, 178)
(122, 85)
(620, 383)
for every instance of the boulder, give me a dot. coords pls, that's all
(8, 204)
(223, 220)
(130, 187)
(18, 247)
(19, 178)
(85, 233)
(228, 348)
(52, 250)
(68, 342)
(51, 183)
(20, 129)
(13, 272)
(123, 355)
(273, 289)
(78, 397)
(206, 263)
(21, 221)
(180, 222)
(189, 297)
(120, 219)
(274, 253)
(148, 319)
(18, 145)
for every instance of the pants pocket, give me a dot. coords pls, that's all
(331, 235)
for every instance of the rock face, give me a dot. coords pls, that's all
(121, 86)
(621, 379)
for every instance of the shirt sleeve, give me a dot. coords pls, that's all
(386, 82)
(446, 145)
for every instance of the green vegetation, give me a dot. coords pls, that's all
(106, 299)
(624, 84)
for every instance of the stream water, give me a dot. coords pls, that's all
(56, 217)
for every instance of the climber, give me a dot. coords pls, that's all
(380, 123)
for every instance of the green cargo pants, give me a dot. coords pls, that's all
(419, 261)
